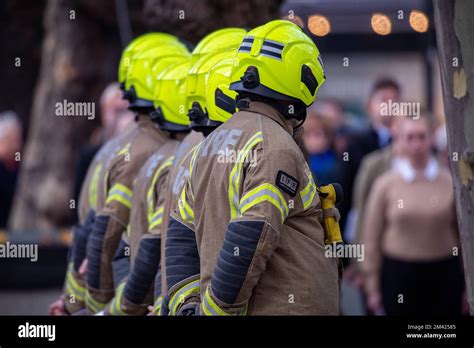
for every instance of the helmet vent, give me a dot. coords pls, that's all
(224, 102)
(308, 78)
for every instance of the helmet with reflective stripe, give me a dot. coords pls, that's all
(278, 61)
(220, 100)
(169, 98)
(142, 42)
(207, 53)
(146, 65)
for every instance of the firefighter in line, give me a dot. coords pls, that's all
(247, 232)
(135, 292)
(92, 197)
(201, 94)
(105, 243)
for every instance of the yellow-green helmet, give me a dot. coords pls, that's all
(222, 39)
(169, 98)
(220, 100)
(142, 42)
(207, 53)
(279, 61)
(141, 80)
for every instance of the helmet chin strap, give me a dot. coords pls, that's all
(300, 123)
(299, 110)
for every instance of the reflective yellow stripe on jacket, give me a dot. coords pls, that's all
(153, 216)
(72, 286)
(265, 193)
(120, 193)
(116, 304)
(93, 305)
(307, 194)
(157, 306)
(211, 308)
(182, 293)
(156, 218)
(93, 187)
(185, 210)
(236, 172)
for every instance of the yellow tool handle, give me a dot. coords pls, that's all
(329, 197)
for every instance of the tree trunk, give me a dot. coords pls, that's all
(79, 56)
(455, 37)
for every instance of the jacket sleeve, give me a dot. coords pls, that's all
(271, 184)
(74, 287)
(110, 223)
(139, 286)
(181, 252)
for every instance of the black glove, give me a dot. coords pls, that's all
(189, 309)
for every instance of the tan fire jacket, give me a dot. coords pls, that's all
(179, 174)
(92, 197)
(120, 171)
(146, 221)
(251, 169)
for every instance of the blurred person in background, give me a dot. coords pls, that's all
(377, 136)
(410, 233)
(318, 139)
(114, 114)
(372, 166)
(10, 144)
(114, 117)
(331, 110)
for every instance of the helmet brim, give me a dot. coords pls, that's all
(263, 91)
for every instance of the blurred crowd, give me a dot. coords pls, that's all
(398, 194)
(10, 146)
(398, 203)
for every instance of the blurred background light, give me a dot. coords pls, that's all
(419, 21)
(381, 24)
(319, 25)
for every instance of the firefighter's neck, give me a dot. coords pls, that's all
(271, 112)
(177, 135)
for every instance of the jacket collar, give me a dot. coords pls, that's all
(267, 111)
(144, 122)
(409, 174)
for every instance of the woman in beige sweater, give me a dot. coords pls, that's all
(412, 262)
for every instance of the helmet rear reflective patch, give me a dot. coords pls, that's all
(308, 78)
(246, 45)
(272, 49)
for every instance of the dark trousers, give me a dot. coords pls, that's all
(422, 288)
